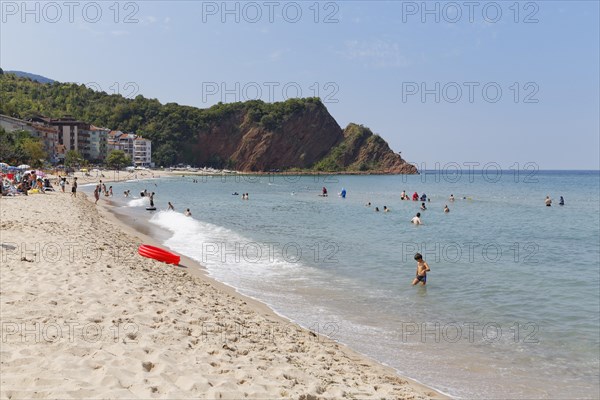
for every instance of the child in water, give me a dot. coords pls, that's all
(422, 268)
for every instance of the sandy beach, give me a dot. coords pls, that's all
(84, 316)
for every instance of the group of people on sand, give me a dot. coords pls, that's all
(17, 184)
(29, 182)
(561, 201)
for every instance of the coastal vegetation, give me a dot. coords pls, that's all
(19, 147)
(294, 134)
(117, 159)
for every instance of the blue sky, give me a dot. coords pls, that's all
(443, 82)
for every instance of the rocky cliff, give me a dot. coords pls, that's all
(306, 138)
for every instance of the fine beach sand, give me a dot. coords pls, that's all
(84, 316)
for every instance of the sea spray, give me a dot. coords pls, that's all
(138, 202)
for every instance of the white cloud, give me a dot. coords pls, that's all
(378, 53)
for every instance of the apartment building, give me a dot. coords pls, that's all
(98, 143)
(142, 152)
(59, 135)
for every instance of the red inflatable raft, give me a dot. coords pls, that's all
(158, 254)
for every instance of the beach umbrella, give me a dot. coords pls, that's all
(24, 166)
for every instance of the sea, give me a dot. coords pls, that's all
(511, 309)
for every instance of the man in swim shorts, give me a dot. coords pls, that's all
(422, 268)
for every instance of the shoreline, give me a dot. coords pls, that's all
(196, 269)
(155, 174)
(300, 354)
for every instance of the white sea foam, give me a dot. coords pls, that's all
(138, 202)
(222, 251)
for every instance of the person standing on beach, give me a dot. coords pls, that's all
(171, 207)
(97, 194)
(63, 182)
(422, 268)
(74, 187)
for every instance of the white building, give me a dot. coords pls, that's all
(142, 152)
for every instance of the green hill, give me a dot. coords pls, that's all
(248, 136)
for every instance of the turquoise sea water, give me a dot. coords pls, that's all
(512, 303)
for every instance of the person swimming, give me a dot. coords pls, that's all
(417, 219)
(548, 201)
(324, 192)
(446, 209)
(376, 209)
(423, 206)
(385, 209)
(561, 202)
